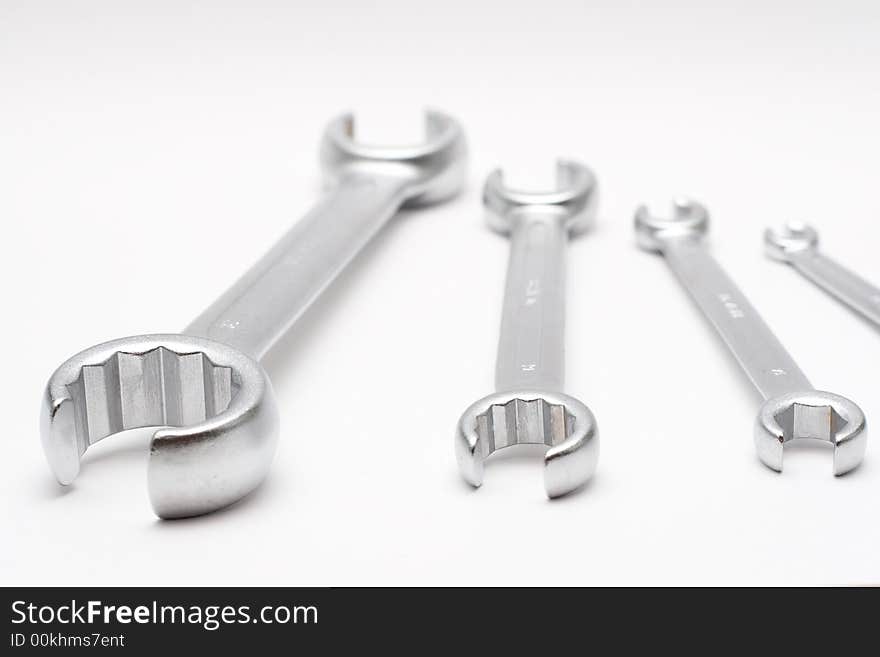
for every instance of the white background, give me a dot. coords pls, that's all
(151, 151)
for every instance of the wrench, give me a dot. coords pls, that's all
(529, 406)
(792, 408)
(204, 392)
(797, 244)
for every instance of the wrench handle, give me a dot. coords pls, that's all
(531, 348)
(840, 282)
(258, 309)
(766, 362)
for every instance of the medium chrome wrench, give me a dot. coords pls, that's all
(529, 406)
(792, 409)
(797, 244)
(204, 391)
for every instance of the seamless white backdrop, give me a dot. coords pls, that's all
(151, 151)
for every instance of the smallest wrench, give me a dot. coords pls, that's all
(792, 408)
(797, 244)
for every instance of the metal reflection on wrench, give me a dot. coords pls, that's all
(792, 409)
(204, 391)
(529, 405)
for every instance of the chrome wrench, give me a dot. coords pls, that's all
(204, 391)
(792, 408)
(797, 244)
(529, 405)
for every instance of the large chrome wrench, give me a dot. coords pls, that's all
(204, 391)
(797, 244)
(529, 405)
(792, 409)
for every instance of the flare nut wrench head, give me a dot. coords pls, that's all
(813, 414)
(561, 422)
(213, 407)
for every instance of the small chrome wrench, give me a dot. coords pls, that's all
(529, 406)
(205, 393)
(797, 244)
(792, 409)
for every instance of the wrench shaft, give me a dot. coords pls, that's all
(764, 359)
(531, 348)
(272, 294)
(847, 286)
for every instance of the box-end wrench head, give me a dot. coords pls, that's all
(792, 409)
(529, 407)
(205, 393)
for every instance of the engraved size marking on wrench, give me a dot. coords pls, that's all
(792, 408)
(732, 308)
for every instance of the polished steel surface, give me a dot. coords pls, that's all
(792, 409)
(529, 406)
(214, 404)
(797, 244)
(204, 391)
